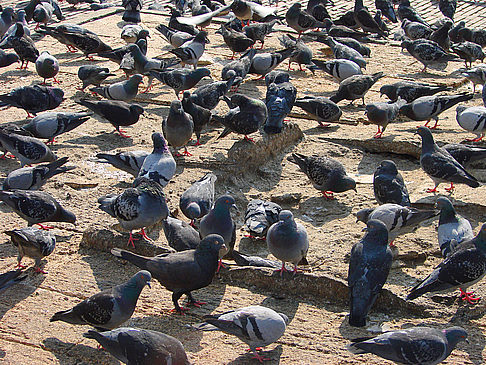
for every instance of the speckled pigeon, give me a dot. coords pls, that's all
(180, 79)
(410, 90)
(475, 35)
(208, 95)
(23, 45)
(159, 166)
(197, 200)
(29, 150)
(237, 42)
(469, 52)
(429, 53)
(388, 185)
(465, 154)
(355, 87)
(258, 31)
(320, 108)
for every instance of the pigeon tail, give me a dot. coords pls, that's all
(137, 260)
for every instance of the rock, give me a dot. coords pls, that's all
(289, 198)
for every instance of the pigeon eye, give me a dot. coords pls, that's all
(227, 201)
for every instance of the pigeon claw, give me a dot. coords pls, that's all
(323, 125)
(259, 357)
(186, 153)
(46, 228)
(20, 266)
(220, 265)
(249, 139)
(144, 235)
(132, 240)
(123, 133)
(451, 188)
(282, 269)
(39, 270)
(432, 190)
(198, 143)
(197, 303)
(180, 310)
(469, 297)
(477, 139)
(328, 195)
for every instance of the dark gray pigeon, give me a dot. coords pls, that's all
(180, 235)
(128, 161)
(181, 272)
(397, 218)
(341, 51)
(118, 113)
(236, 41)
(28, 150)
(320, 108)
(123, 57)
(300, 20)
(469, 52)
(355, 87)
(196, 201)
(406, 11)
(369, 265)
(414, 345)
(387, 9)
(176, 38)
(410, 90)
(287, 241)
(259, 216)
(136, 208)
(6, 19)
(441, 35)
(7, 59)
(326, 174)
(381, 114)
(132, 11)
(32, 178)
(258, 31)
(131, 33)
(141, 346)
(209, 95)
(302, 55)
(180, 79)
(460, 269)
(33, 99)
(340, 69)
(23, 45)
(440, 165)
(453, 34)
(72, 35)
(93, 75)
(10, 278)
(47, 67)
(453, 229)
(257, 326)
(109, 308)
(191, 51)
(263, 63)
(472, 119)
(356, 45)
(388, 185)
(178, 128)
(365, 20)
(36, 207)
(448, 8)
(475, 35)
(33, 243)
(176, 25)
(279, 99)
(240, 67)
(200, 116)
(429, 53)
(123, 90)
(465, 154)
(49, 125)
(159, 166)
(344, 27)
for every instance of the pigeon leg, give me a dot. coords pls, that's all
(391, 244)
(29, 115)
(300, 67)
(259, 357)
(198, 143)
(436, 124)
(296, 270)
(477, 139)
(5, 156)
(56, 81)
(261, 47)
(290, 68)
(432, 190)
(451, 188)
(249, 139)
(43, 82)
(300, 34)
(148, 88)
(193, 301)
(144, 235)
(177, 94)
(46, 228)
(424, 69)
(364, 104)
(26, 65)
(232, 56)
(468, 296)
(132, 240)
(39, 270)
(220, 265)
(186, 153)
(281, 270)
(193, 223)
(177, 308)
(426, 124)
(20, 266)
(474, 87)
(328, 195)
(323, 125)
(122, 133)
(378, 134)
(21, 67)
(37, 26)
(254, 237)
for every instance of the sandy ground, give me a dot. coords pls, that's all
(318, 331)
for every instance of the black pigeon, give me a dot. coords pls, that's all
(178, 128)
(320, 108)
(441, 35)
(180, 79)
(356, 45)
(300, 20)
(448, 8)
(317, 8)
(280, 99)
(237, 42)
(24, 46)
(180, 235)
(355, 87)
(200, 116)
(33, 99)
(410, 90)
(386, 9)
(181, 272)
(388, 185)
(477, 36)
(175, 24)
(93, 75)
(196, 201)
(259, 216)
(365, 20)
(339, 30)
(465, 154)
(454, 32)
(469, 52)
(406, 11)
(132, 11)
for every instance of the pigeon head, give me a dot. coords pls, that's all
(140, 279)
(136, 79)
(134, 49)
(212, 243)
(447, 211)
(19, 32)
(159, 142)
(40, 14)
(136, 109)
(387, 90)
(286, 216)
(454, 335)
(186, 95)
(193, 210)
(363, 214)
(344, 184)
(201, 37)
(143, 34)
(20, 15)
(67, 216)
(8, 13)
(406, 44)
(56, 96)
(176, 107)
(425, 133)
(388, 167)
(202, 72)
(376, 232)
(225, 202)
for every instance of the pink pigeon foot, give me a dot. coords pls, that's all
(469, 297)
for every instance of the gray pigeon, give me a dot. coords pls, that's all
(159, 166)
(356, 45)
(472, 119)
(6, 19)
(176, 38)
(33, 243)
(191, 51)
(49, 125)
(141, 346)
(341, 51)
(181, 272)
(279, 99)
(75, 36)
(477, 75)
(209, 95)
(302, 53)
(124, 58)
(326, 174)
(300, 20)
(136, 208)
(287, 241)
(47, 67)
(240, 67)
(118, 113)
(180, 79)
(469, 52)
(344, 27)
(429, 53)
(28, 150)
(128, 161)
(7, 59)
(320, 108)
(132, 11)
(369, 265)
(381, 114)
(263, 63)
(257, 326)
(406, 11)
(388, 185)
(93, 75)
(414, 345)
(416, 30)
(453, 229)
(259, 216)
(465, 154)
(197, 200)
(440, 165)
(397, 218)
(20, 14)
(36, 207)
(429, 107)
(109, 308)
(178, 127)
(258, 31)
(32, 178)
(460, 269)
(33, 99)
(200, 116)
(176, 25)
(355, 87)
(180, 235)
(123, 90)
(409, 90)
(454, 32)
(131, 33)
(448, 8)
(10, 278)
(476, 35)
(340, 69)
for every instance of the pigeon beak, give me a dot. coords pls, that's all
(355, 190)
(223, 247)
(236, 208)
(467, 341)
(148, 284)
(364, 229)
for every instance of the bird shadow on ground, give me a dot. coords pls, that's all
(272, 356)
(318, 130)
(73, 353)
(331, 209)
(103, 281)
(107, 141)
(477, 341)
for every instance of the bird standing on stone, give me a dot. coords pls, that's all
(178, 127)
(279, 99)
(159, 166)
(388, 185)
(197, 200)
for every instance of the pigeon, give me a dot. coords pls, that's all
(302, 54)
(318, 10)
(465, 154)
(320, 108)
(208, 95)
(237, 42)
(441, 35)
(7, 59)
(178, 127)
(36, 207)
(249, 10)
(388, 185)
(180, 235)
(10, 278)
(356, 45)
(93, 75)
(47, 67)
(387, 9)
(257, 326)
(382, 114)
(118, 113)
(131, 33)
(28, 150)
(453, 229)
(176, 25)
(448, 8)
(33, 243)
(176, 38)
(128, 161)
(33, 99)
(190, 52)
(32, 178)
(326, 174)
(469, 52)
(454, 32)
(429, 107)
(460, 269)
(123, 90)
(202, 15)
(263, 63)
(341, 51)
(132, 11)
(477, 75)
(369, 266)
(340, 69)
(338, 30)
(416, 30)
(258, 31)
(196, 201)
(200, 116)
(159, 166)
(109, 308)
(259, 216)
(472, 119)
(355, 87)
(122, 55)
(279, 99)
(378, 18)
(181, 272)
(240, 67)
(6, 19)
(398, 219)
(365, 20)
(11, 128)
(440, 165)
(477, 36)
(23, 45)
(406, 11)
(140, 346)
(414, 345)
(246, 116)
(180, 79)
(43, 13)
(409, 90)
(299, 20)
(49, 125)
(429, 53)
